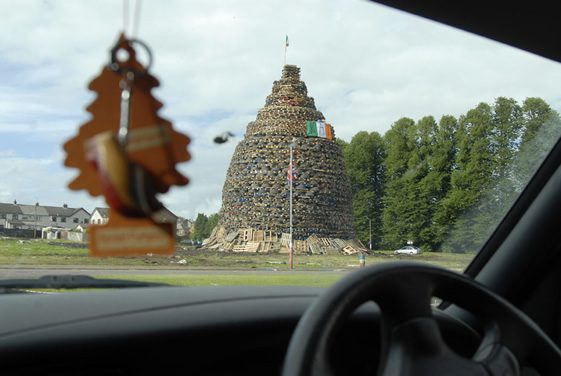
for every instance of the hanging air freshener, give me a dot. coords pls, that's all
(128, 153)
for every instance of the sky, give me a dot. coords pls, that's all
(366, 65)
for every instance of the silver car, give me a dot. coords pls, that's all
(407, 250)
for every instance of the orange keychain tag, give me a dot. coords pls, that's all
(123, 236)
(128, 153)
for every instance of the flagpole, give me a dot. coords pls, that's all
(291, 249)
(285, 48)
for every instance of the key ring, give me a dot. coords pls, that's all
(128, 73)
(127, 45)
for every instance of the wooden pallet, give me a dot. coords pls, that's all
(285, 240)
(259, 235)
(246, 234)
(239, 248)
(232, 235)
(252, 247)
(300, 246)
(349, 250)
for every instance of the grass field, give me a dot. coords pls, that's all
(59, 253)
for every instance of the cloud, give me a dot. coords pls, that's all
(31, 180)
(366, 65)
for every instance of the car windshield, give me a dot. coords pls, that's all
(316, 138)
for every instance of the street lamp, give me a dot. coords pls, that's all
(370, 232)
(35, 220)
(290, 176)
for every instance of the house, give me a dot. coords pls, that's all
(35, 217)
(68, 217)
(99, 216)
(183, 227)
(165, 216)
(9, 213)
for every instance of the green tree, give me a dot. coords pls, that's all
(364, 157)
(483, 184)
(203, 226)
(399, 145)
(541, 129)
(413, 195)
(423, 181)
(443, 161)
(507, 125)
(436, 151)
(199, 227)
(400, 191)
(472, 175)
(211, 223)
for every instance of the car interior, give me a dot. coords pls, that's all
(502, 316)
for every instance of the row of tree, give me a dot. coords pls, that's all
(445, 185)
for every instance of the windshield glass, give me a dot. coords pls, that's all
(321, 138)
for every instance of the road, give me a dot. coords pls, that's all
(27, 272)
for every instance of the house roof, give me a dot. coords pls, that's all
(58, 211)
(104, 212)
(81, 209)
(9, 209)
(164, 215)
(33, 210)
(62, 211)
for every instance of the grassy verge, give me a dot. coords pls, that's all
(307, 279)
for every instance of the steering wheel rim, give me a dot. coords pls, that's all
(413, 336)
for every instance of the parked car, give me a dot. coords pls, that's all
(407, 250)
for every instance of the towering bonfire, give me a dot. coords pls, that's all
(255, 198)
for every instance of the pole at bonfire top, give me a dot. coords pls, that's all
(285, 48)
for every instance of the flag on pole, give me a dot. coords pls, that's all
(311, 129)
(329, 131)
(286, 42)
(319, 129)
(292, 172)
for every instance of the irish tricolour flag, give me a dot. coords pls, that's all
(319, 129)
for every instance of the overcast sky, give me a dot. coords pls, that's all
(366, 66)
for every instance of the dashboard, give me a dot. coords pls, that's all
(182, 330)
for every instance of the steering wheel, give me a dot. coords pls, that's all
(413, 344)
